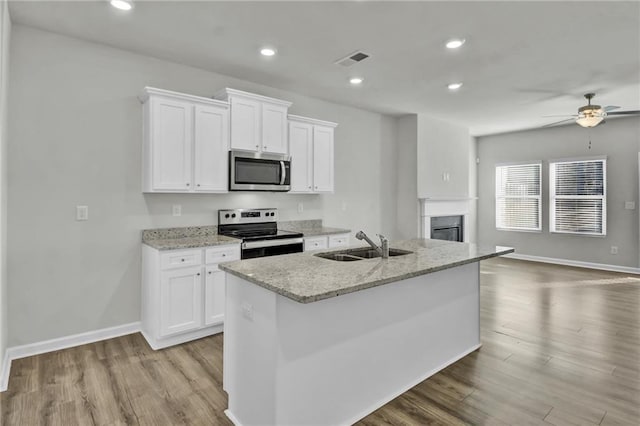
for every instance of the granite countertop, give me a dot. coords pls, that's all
(183, 238)
(311, 228)
(306, 278)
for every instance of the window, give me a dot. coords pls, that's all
(578, 202)
(518, 189)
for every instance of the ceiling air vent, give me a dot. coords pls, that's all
(352, 58)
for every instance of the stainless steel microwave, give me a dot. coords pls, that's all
(259, 171)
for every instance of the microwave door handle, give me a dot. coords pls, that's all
(283, 173)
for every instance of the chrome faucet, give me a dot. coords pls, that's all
(383, 249)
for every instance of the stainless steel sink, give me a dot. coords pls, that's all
(351, 255)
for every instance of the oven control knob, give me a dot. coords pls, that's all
(273, 214)
(233, 215)
(226, 216)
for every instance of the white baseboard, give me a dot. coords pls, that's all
(233, 418)
(38, 348)
(576, 263)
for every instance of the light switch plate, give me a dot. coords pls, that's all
(177, 210)
(82, 212)
(300, 207)
(630, 205)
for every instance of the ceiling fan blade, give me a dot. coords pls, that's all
(610, 108)
(563, 115)
(624, 113)
(559, 122)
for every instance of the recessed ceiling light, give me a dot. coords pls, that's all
(121, 4)
(454, 86)
(267, 51)
(356, 80)
(455, 43)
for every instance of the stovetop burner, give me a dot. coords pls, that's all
(252, 225)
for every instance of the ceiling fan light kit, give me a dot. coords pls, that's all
(592, 115)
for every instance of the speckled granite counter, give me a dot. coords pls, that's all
(182, 238)
(306, 278)
(311, 228)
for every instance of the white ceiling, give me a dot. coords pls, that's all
(522, 60)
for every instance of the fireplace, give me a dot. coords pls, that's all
(448, 228)
(446, 218)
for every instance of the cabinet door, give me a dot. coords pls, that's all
(300, 147)
(180, 300)
(274, 128)
(322, 159)
(214, 295)
(171, 145)
(245, 124)
(211, 157)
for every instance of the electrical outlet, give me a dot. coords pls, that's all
(344, 206)
(82, 212)
(247, 311)
(630, 205)
(177, 210)
(300, 207)
(614, 249)
(444, 176)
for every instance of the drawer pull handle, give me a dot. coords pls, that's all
(181, 260)
(224, 254)
(209, 272)
(198, 274)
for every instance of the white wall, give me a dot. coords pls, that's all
(76, 138)
(442, 147)
(617, 139)
(5, 30)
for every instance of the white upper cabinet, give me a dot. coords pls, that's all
(245, 123)
(258, 123)
(186, 143)
(274, 128)
(211, 148)
(311, 146)
(301, 150)
(171, 153)
(322, 159)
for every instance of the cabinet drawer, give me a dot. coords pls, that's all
(341, 240)
(180, 258)
(222, 254)
(315, 243)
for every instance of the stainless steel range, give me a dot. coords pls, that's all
(258, 229)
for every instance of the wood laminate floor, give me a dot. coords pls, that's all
(561, 346)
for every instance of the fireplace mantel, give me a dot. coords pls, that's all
(444, 206)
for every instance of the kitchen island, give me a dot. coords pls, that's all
(313, 341)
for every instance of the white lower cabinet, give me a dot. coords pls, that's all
(183, 297)
(180, 300)
(214, 283)
(326, 241)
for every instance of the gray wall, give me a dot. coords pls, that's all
(618, 139)
(442, 147)
(5, 29)
(408, 209)
(75, 138)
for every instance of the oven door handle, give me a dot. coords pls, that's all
(283, 173)
(271, 243)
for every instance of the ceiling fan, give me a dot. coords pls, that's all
(591, 115)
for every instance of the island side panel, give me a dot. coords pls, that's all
(334, 361)
(249, 353)
(341, 358)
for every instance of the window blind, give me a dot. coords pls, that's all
(518, 204)
(578, 197)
